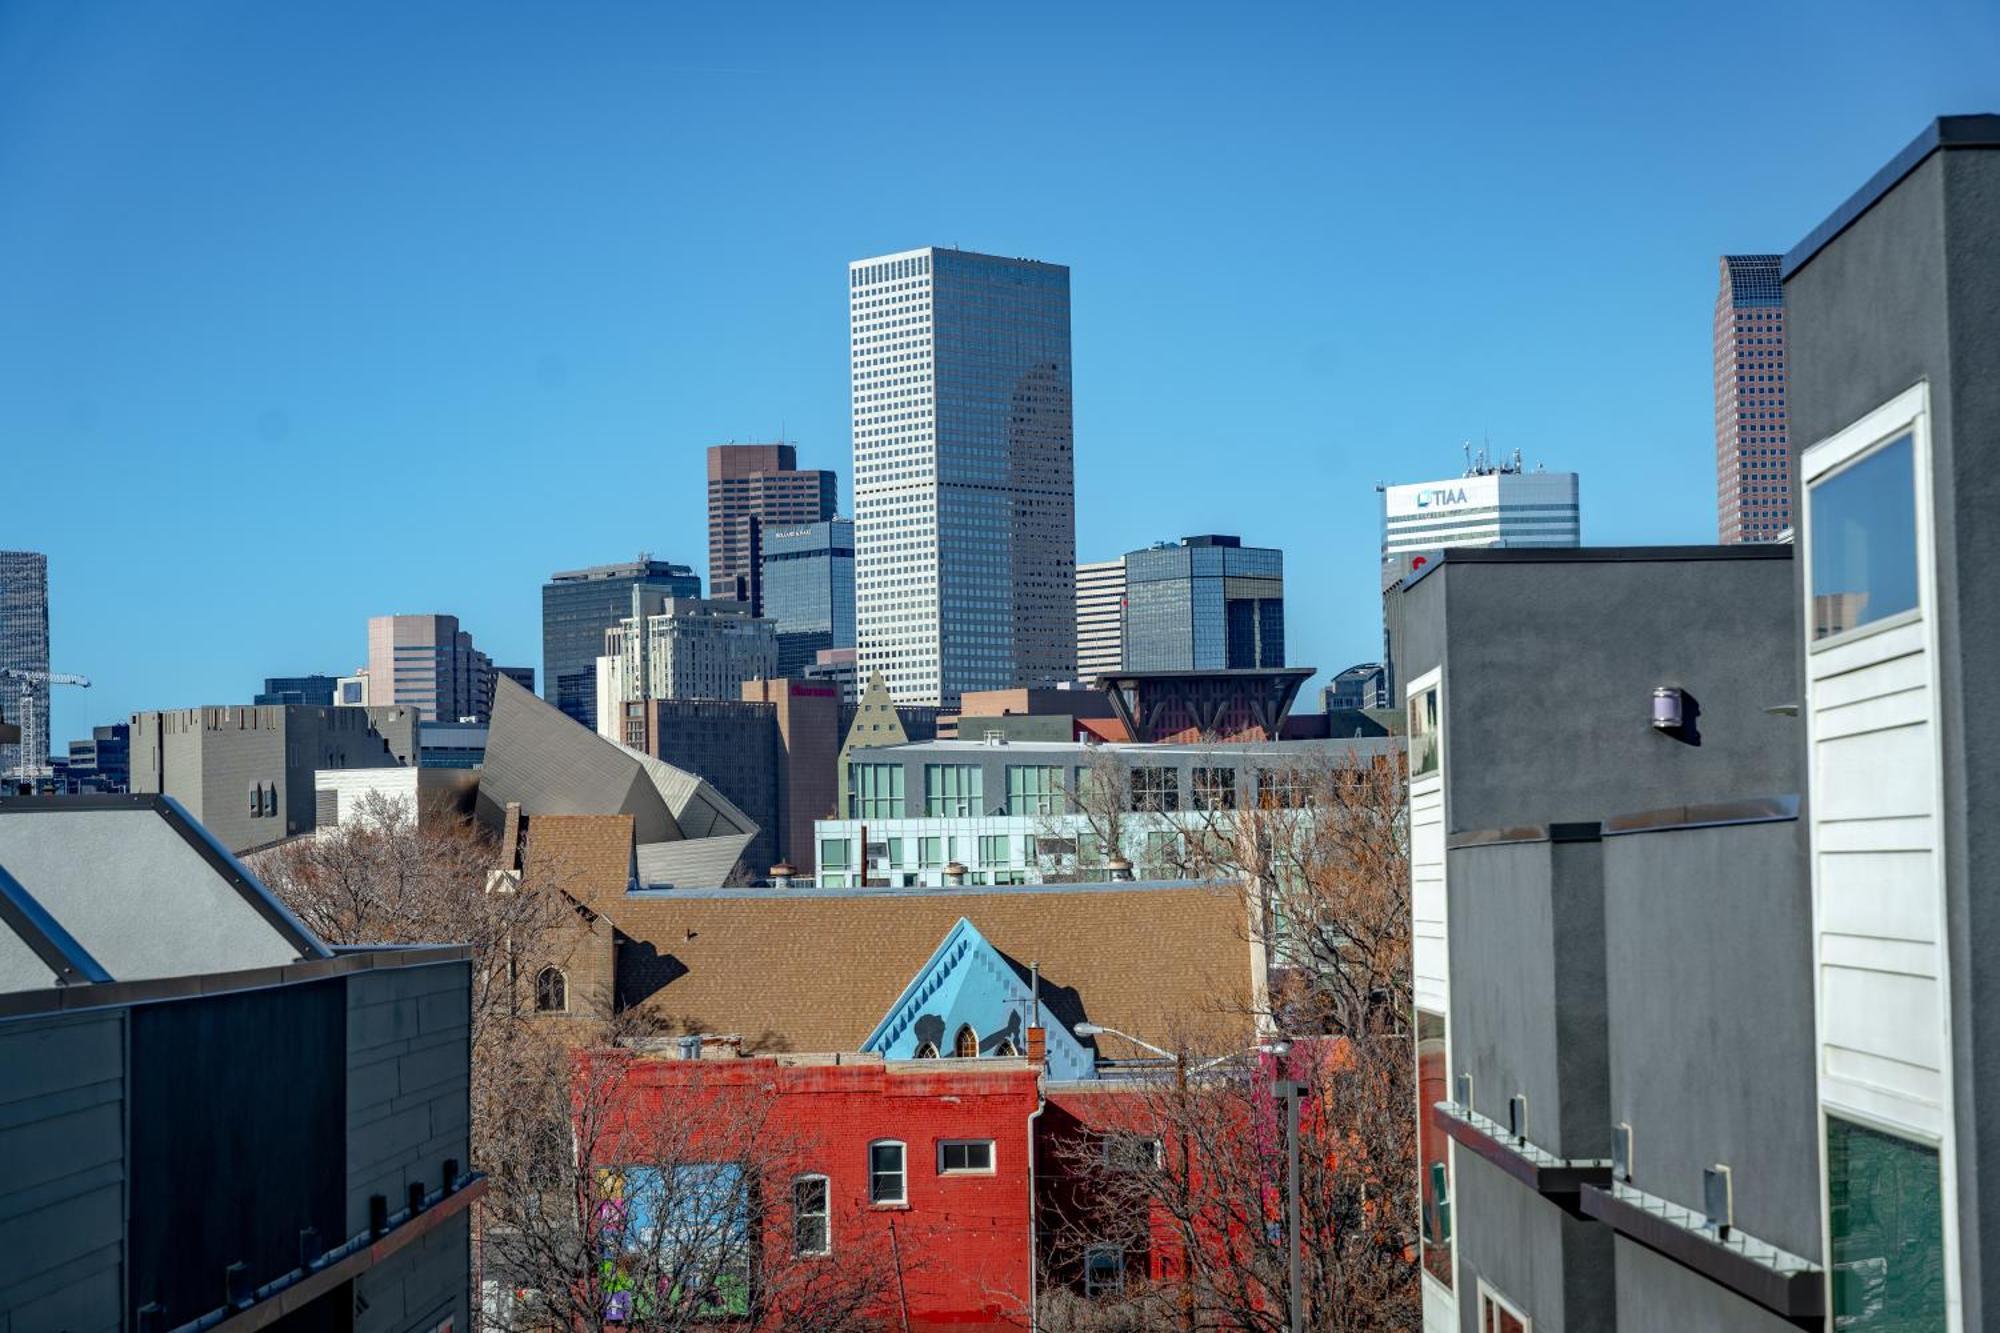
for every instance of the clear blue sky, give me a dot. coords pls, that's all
(309, 312)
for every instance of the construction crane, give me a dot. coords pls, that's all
(33, 761)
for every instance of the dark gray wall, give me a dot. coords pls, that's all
(1550, 661)
(62, 1173)
(1910, 291)
(1554, 1267)
(1657, 1295)
(1709, 981)
(1527, 988)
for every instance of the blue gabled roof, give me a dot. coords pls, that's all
(969, 983)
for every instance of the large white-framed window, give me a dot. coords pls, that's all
(812, 1216)
(965, 1157)
(1424, 699)
(1497, 1314)
(1881, 965)
(888, 1173)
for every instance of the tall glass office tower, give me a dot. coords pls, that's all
(578, 605)
(24, 646)
(964, 485)
(808, 583)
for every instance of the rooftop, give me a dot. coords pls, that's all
(1980, 131)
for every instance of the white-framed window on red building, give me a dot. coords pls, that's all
(888, 1173)
(812, 1220)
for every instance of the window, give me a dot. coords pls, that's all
(1498, 1315)
(930, 852)
(695, 1219)
(1156, 789)
(1033, 789)
(1424, 732)
(965, 1157)
(878, 791)
(1133, 1152)
(951, 790)
(966, 1044)
(1862, 521)
(836, 853)
(1215, 789)
(887, 1181)
(994, 849)
(1432, 1155)
(1885, 1214)
(1282, 789)
(812, 1230)
(1103, 1271)
(926, 1050)
(551, 991)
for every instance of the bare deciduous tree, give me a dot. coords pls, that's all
(1320, 849)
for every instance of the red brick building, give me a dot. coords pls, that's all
(913, 1173)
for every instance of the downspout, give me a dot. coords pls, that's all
(1041, 1104)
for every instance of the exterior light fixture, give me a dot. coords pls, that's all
(1718, 1195)
(1669, 708)
(1517, 1117)
(1465, 1092)
(1621, 1152)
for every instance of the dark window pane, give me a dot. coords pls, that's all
(1886, 1210)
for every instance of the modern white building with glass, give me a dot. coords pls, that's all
(1039, 812)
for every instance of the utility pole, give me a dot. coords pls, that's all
(1293, 1092)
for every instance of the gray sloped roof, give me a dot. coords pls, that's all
(131, 888)
(687, 831)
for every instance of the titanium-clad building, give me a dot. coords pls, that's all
(578, 605)
(1753, 489)
(808, 590)
(24, 646)
(1205, 603)
(964, 485)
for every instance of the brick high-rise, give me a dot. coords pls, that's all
(1753, 488)
(752, 487)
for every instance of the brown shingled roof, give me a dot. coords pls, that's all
(589, 857)
(817, 972)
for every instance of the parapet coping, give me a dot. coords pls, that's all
(151, 990)
(925, 891)
(1666, 819)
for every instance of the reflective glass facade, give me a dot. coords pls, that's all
(965, 510)
(24, 646)
(808, 584)
(1204, 604)
(577, 607)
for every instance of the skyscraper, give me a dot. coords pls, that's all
(429, 664)
(24, 646)
(808, 579)
(1753, 486)
(1492, 504)
(1100, 617)
(753, 488)
(578, 605)
(964, 485)
(1206, 603)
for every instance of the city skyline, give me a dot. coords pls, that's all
(599, 316)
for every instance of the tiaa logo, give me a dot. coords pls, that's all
(1440, 496)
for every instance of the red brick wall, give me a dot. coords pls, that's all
(961, 1244)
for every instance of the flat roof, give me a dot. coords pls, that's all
(1591, 555)
(926, 891)
(1146, 747)
(1980, 131)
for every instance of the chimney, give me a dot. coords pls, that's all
(781, 875)
(1038, 1045)
(1118, 868)
(954, 873)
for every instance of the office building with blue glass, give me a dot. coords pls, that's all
(578, 605)
(964, 484)
(808, 586)
(1205, 603)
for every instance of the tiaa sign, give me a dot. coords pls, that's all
(1440, 497)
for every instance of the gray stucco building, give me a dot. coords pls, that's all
(246, 771)
(1701, 1033)
(206, 1114)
